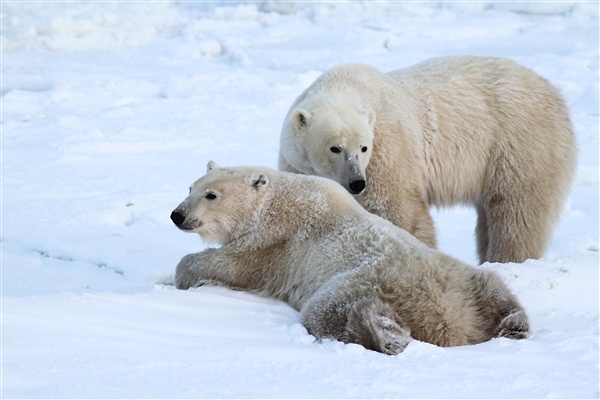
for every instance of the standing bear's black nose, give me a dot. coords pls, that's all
(357, 186)
(177, 218)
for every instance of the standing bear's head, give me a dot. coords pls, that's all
(223, 204)
(330, 135)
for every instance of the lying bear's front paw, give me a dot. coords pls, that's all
(186, 274)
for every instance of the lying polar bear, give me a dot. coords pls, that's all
(352, 275)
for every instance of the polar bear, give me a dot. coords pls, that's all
(352, 275)
(456, 130)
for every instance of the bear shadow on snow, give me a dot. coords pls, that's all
(352, 275)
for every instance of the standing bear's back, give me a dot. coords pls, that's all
(480, 113)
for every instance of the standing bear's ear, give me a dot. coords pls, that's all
(211, 165)
(300, 119)
(258, 180)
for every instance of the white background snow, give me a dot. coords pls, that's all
(111, 109)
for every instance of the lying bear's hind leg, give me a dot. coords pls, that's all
(375, 325)
(505, 315)
(352, 317)
(514, 326)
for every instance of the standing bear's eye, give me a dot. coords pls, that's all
(364, 149)
(335, 149)
(210, 196)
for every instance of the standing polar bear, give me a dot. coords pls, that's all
(352, 275)
(457, 130)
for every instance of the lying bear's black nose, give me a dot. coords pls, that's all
(177, 218)
(357, 186)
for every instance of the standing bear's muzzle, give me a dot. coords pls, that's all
(357, 186)
(353, 175)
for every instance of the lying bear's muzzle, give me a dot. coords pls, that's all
(177, 218)
(184, 223)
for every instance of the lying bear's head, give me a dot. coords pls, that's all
(330, 137)
(222, 204)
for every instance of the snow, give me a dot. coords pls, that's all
(111, 109)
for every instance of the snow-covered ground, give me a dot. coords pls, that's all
(111, 109)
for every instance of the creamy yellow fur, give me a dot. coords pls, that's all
(352, 275)
(480, 131)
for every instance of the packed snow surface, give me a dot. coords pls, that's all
(111, 109)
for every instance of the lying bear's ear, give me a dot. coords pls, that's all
(371, 118)
(258, 180)
(212, 165)
(300, 119)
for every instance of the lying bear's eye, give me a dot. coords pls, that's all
(364, 149)
(335, 149)
(210, 196)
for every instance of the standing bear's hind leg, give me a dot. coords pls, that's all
(523, 197)
(527, 182)
(518, 228)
